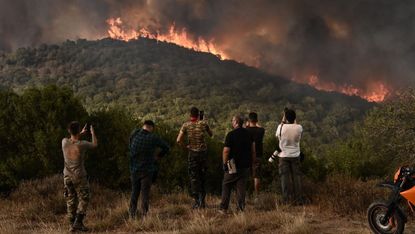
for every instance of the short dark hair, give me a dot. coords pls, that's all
(290, 115)
(194, 112)
(239, 120)
(253, 117)
(74, 128)
(149, 123)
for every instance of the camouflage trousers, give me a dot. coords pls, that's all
(76, 195)
(197, 173)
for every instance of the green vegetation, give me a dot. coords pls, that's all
(380, 143)
(162, 81)
(33, 123)
(115, 85)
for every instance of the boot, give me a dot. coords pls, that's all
(196, 205)
(71, 220)
(79, 224)
(201, 201)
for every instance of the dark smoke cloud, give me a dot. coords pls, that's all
(355, 43)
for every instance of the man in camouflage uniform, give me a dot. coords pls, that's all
(75, 176)
(195, 130)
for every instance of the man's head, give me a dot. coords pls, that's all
(253, 117)
(194, 112)
(74, 128)
(237, 121)
(290, 115)
(149, 125)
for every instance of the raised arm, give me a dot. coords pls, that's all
(94, 137)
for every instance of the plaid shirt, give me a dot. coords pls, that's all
(143, 145)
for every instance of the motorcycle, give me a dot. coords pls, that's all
(387, 216)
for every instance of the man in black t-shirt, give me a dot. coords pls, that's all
(257, 133)
(239, 147)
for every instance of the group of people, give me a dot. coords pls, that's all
(241, 157)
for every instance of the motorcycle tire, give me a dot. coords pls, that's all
(376, 212)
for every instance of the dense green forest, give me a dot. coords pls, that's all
(115, 85)
(162, 81)
(33, 123)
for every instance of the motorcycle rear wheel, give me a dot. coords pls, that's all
(375, 214)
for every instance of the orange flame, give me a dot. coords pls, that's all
(377, 90)
(179, 37)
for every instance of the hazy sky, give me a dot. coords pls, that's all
(355, 43)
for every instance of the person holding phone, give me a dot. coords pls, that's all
(75, 177)
(195, 129)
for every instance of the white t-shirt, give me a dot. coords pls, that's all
(289, 138)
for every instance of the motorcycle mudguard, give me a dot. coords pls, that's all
(387, 185)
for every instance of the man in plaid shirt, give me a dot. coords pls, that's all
(143, 145)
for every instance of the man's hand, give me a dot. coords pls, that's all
(94, 138)
(84, 130)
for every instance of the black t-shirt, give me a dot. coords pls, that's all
(257, 134)
(240, 143)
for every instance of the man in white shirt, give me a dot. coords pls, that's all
(289, 136)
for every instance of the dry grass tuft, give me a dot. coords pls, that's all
(347, 196)
(38, 207)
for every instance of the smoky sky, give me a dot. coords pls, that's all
(357, 43)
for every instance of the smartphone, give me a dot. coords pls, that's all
(201, 115)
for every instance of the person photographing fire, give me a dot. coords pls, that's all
(76, 183)
(195, 129)
(289, 135)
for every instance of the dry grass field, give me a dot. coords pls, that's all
(338, 206)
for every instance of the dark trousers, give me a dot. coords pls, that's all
(229, 181)
(197, 174)
(141, 184)
(289, 170)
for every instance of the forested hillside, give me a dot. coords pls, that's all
(115, 84)
(162, 81)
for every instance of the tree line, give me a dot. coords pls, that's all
(33, 122)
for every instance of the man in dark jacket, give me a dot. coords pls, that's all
(143, 145)
(239, 153)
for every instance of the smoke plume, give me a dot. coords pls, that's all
(359, 47)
